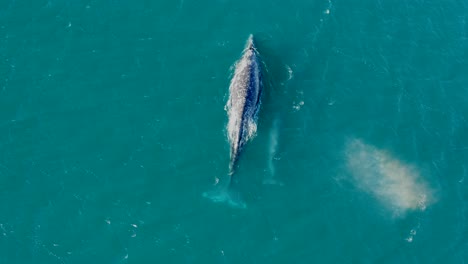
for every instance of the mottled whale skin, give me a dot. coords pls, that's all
(242, 108)
(244, 102)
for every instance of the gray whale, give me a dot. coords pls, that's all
(242, 107)
(244, 102)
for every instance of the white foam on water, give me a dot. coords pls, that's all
(251, 128)
(298, 103)
(290, 72)
(396, 184)
(327, 11)
(412, 233)
(297, 106)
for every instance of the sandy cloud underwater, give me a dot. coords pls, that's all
(397, 185)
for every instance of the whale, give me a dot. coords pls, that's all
(244, 102)
(242, 109)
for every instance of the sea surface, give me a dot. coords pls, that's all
(113, 125)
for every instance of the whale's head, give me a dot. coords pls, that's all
(250, 43)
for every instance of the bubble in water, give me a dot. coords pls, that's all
(297, 106)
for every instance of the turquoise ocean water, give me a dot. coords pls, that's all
(112, 125)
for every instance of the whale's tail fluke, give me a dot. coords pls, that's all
(226, 194)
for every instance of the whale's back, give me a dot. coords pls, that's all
(244, 97)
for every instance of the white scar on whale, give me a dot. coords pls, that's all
(395, 184)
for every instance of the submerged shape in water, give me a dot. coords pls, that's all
(397, 185)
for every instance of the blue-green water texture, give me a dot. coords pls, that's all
(113, 125)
